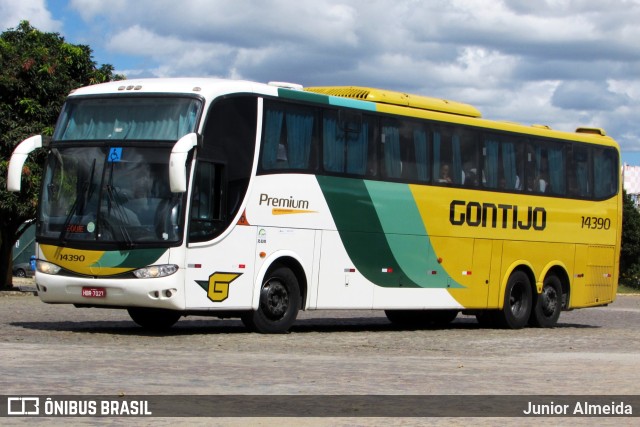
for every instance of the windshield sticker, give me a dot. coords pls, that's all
(115, 154)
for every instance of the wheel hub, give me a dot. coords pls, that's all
(275, 299)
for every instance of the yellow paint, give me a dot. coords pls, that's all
(491, 250)
(283, 211)
(219, 285)
(81, 261)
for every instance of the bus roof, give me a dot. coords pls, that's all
(353, 96)
(398, 98)
(206, 87)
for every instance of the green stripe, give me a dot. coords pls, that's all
(130, 259)
(380, 227)
(361, 231)
(299, 95)
(406, 234)
(318, 98)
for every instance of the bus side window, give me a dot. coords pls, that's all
(422, 153)
(605, 171)
(390, 139)
(455, 157)
(347, 143)
(580, 177)
(289, 137)
(206, 200)
(502, 163)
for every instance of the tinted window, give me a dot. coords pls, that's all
(289, 137)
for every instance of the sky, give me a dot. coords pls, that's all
(562, 63)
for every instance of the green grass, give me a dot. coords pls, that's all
(622, 289)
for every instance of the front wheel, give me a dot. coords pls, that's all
(279, 303)
(546, 312)
(154, 319)
(517, 301)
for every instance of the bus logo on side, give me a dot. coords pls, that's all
(217, 287)
(476, 214)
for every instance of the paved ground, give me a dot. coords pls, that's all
(58, 349)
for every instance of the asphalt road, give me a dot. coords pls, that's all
(59, 349)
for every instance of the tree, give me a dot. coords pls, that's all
(630, 251)
(37, 72)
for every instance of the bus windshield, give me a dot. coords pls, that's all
(127, 118)
(114, 195)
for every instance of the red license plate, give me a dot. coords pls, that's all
(94, 292)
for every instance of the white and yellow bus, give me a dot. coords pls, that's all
(174, 197)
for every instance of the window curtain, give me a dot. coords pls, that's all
(538, 169)
(187, 121)
(556, 170)
(90, 122)
(299, 136)
(509, 165)
(491, 163)
(436, 156)
(272, 131)
(357, 150)
(582, 178)
(457, 160)
(604, 173)
(422, 159)
(333, 145)
(393, 163)
(166, 121)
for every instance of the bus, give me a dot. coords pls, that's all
(177, 197)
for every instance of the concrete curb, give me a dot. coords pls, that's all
(19, 290)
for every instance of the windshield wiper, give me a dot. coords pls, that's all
(121, 216)
(76, 203)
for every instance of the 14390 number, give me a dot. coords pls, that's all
(596, 223)
(71, 258)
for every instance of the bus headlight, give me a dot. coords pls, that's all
(154, 271)
(46, 267)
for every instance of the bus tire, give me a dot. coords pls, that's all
(548, 305)
(154, 319)
(279, 303)
(517, 301)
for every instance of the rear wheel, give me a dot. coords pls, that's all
(517, 301)
(279, 303)
(154, 319)
(546, 312)
(21, 273)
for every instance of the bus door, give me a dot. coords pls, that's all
(487, 261)
(219, 261)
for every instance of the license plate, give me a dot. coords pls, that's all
(94, 292)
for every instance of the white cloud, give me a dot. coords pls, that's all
(34, 11)
(559, 62)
